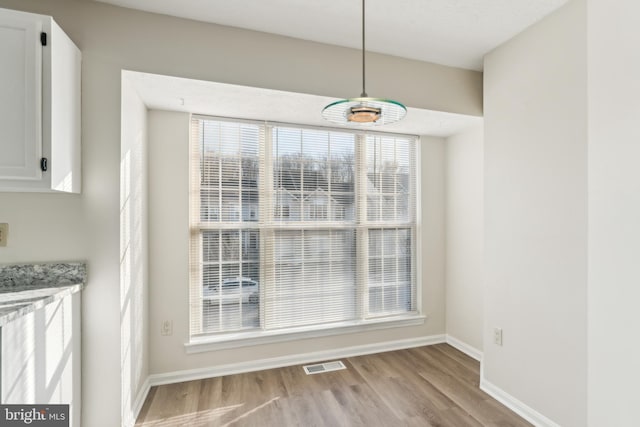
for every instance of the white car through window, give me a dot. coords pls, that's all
(239, 289)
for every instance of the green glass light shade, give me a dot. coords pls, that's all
(364, 111)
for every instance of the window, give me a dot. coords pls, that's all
(295, 228)
(281, 212)
(317, 211)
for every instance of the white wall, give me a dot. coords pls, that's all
(134, 289)
(87, 226)
(535, 173)
(614, 212)
(432, 225)
(464, 269)
(169, 263)
(169, 239)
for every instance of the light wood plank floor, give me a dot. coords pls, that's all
(427, 386)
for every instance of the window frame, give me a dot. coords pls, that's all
(217, 340)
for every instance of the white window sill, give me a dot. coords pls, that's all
(244, 339)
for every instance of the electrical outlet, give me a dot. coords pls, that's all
(4, 232)
(167, 328)
(497, 336)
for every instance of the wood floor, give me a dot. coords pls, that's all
(427, 386)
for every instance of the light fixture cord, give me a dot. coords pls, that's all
(364, 92)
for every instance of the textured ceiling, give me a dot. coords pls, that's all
(457, 33)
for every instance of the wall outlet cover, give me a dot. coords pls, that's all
(166, 328)
(497, 336)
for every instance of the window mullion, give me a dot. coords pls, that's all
(196, 233)
(266, 225)
(241, 220)
(362, 232)
(330, 209)
(302, 187)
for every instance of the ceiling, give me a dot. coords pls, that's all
(456, 33)
(195, 96)
(450, 32)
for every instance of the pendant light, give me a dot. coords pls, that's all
(364, 110)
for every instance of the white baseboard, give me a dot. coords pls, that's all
(291, 360)
(526, 412)
(472, 352)
(137, 403)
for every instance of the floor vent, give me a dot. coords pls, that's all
(324, 367)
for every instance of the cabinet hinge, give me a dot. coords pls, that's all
(43, 39)
(44, 164)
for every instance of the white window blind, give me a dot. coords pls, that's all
(296, 227)
(391, 218)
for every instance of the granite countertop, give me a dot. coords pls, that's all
(25, 288)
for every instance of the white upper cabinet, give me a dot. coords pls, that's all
(20, 100)
(39, 105)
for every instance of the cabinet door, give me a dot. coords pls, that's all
(40, 357)
(20, 97)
